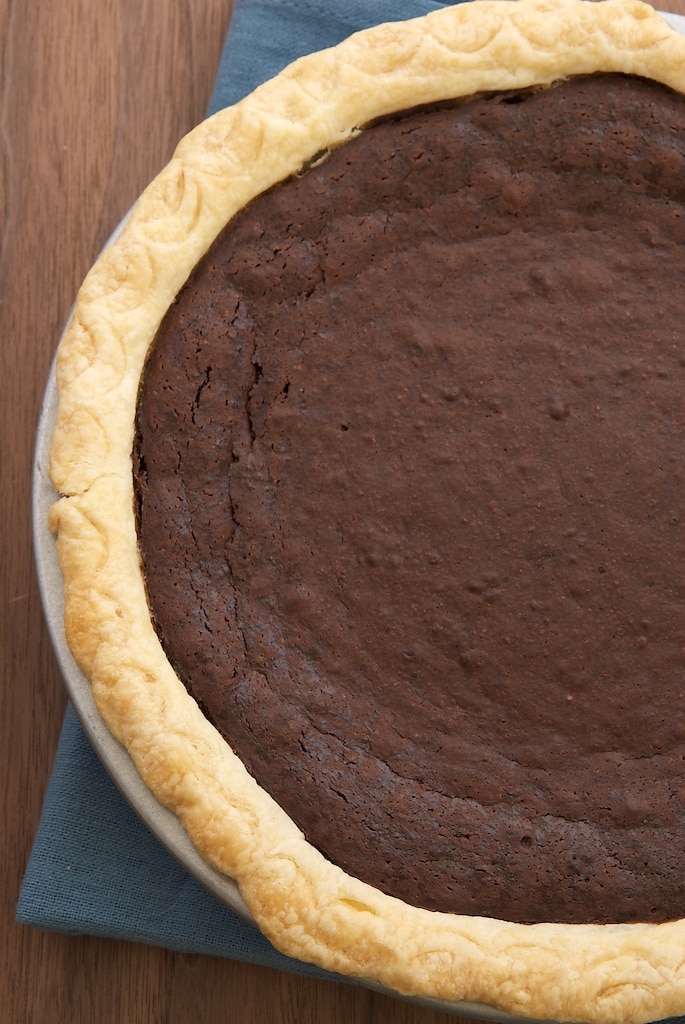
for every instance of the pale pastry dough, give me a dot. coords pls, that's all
(305, 905)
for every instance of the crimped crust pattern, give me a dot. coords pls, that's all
(308, 907)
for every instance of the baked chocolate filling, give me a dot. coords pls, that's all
(409, 472)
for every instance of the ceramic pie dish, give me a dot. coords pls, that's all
(307, 904)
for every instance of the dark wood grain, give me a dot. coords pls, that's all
(90, 108)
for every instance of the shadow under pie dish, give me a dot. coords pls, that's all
(369, 524)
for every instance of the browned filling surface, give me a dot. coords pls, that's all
(409, 471)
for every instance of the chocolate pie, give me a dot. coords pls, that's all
(370, 460)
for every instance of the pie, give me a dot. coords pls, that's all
(369, 461)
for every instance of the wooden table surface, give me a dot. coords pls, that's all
(91, 108)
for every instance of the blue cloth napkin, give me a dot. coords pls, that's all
(95, 868)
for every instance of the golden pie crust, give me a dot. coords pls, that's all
(306, 906)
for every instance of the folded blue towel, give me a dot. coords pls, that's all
(96, 869)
